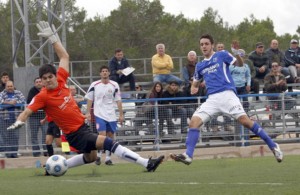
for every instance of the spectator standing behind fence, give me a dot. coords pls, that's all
(34, 121)
(176, 108)
(67, 115)
(4, 79)
(9, 97)
(105, 95)
(221, 99)
(260, 62)
(275, 82)
(292, 60)
(162, 64)
(77, 97)
(116, 65)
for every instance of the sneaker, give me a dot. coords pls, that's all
(154, 163)
(277, 153)
(184, 158)
(2, 155)
(98, 161)
(109, 163)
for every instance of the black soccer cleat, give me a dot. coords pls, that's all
(109, 163)
(154, 163)
(98, 161)
(46, 173)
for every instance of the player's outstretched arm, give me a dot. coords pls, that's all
(50, 33)
(21, 119)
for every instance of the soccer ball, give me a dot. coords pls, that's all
(56, 165)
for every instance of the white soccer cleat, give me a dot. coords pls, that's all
(277, 153)
(184, 158)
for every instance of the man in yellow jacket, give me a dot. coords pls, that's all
(162, 64)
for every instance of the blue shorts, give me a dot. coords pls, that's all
(103, 125)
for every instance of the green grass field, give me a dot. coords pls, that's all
(261, 175)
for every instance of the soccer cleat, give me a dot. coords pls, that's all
(154, 163)
(109, 163)
(184, 158)
(277, 153)
(98, 161)
(46, 172)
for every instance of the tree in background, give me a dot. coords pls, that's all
(136, 27)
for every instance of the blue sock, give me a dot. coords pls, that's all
(258, 130)
(191, 141)
(108, 144)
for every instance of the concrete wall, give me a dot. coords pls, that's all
(23, 78)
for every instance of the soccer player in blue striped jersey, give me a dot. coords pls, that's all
(222, 98)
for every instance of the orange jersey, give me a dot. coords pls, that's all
(59, 105)
(49, 119)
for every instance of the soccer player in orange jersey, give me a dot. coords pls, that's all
(56, 99)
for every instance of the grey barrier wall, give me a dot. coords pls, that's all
(23, 78)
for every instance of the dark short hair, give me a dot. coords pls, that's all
(47, 68)
(104, 67)
(118, 50)
(173, 82)
(4, 74)
(36, 78)
(207, 36)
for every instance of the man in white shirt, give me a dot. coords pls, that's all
(104, 95)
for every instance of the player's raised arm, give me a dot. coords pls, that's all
(51, 34)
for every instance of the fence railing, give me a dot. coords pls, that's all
(85, 72)
(155, 126)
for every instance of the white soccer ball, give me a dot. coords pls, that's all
(56, 165)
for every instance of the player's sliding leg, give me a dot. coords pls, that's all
(120, 151)
(128, 155)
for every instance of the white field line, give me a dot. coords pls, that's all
(166, 183)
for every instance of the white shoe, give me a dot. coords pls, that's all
(184, 158)
(277, 153)
(2, 155)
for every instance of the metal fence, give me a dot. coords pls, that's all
(85, 72)
(155, 126)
